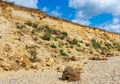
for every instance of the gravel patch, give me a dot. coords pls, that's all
(95, 72)
(102, 72)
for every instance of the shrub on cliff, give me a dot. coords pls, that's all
(96, 44)
(47, 36)
(53, 46)
(62, 52)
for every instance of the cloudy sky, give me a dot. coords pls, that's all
(104, 14)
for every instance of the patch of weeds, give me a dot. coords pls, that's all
(71, 46)
(47, 36)
(104, 50)
(116, 45)
(47, 29)
(75, 41)
(34, 25)
(59, 34)
(33, 31)
(21, 26)
(95, 44)
(63, 53)
(28, 23)
(66, 43)
(55, 39)
(81, 41)
(108, 45)
(60, 46)
(53, 46)
(64, 34)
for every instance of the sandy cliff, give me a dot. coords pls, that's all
(22, 44)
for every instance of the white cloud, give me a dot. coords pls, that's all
(80, 14)
(95, 7)
(26, 3)
(86, 9)
(56, 13)
(116, 20)
(45, 9)
(86, 22)
(114, 26)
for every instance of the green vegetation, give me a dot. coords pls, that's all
(116, 45)
(52, 34)
(55, 39)
(81, 41)
(62, 52)
(64, 34)
(95, 44)
(33, 31)
(53, 46)
(108, 45)
(47, 36)
(71, 46)
(75, 41)
(28, 23)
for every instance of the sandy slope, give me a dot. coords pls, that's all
(95, 72)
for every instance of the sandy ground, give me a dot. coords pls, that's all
(95, 72)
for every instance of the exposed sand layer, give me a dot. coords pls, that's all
(95, 72)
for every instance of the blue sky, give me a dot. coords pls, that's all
(104, 14)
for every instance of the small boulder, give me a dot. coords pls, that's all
(50, 62)
(71, 74)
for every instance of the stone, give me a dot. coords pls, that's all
(71, 74)
(26, 63)
(50, 62)
(34, 66)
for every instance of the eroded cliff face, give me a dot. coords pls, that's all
(17, 13)
(22, 44)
